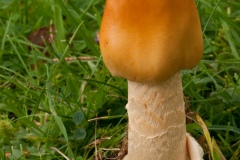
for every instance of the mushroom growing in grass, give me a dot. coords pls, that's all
(149, 42)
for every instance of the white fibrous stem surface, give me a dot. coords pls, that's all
(156, 113)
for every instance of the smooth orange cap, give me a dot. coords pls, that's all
(150, 40)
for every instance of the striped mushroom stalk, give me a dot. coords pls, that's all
(149, 42)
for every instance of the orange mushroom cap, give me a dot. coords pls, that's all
(150, 40)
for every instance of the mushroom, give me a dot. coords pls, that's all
(149, 43)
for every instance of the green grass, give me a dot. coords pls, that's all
(48, 109)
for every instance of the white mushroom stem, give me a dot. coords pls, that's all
(156, 129)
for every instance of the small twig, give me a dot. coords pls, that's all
(98, 118)
(4, 84)
(98, 141)
(69, 59)
(188, 117)
(110, 149)
(8, 82)
(53, 148)
(105, 117)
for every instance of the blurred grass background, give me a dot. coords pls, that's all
(58, 100)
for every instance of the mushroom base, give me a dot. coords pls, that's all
(156, 129)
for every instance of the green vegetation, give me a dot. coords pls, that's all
(52, 108)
